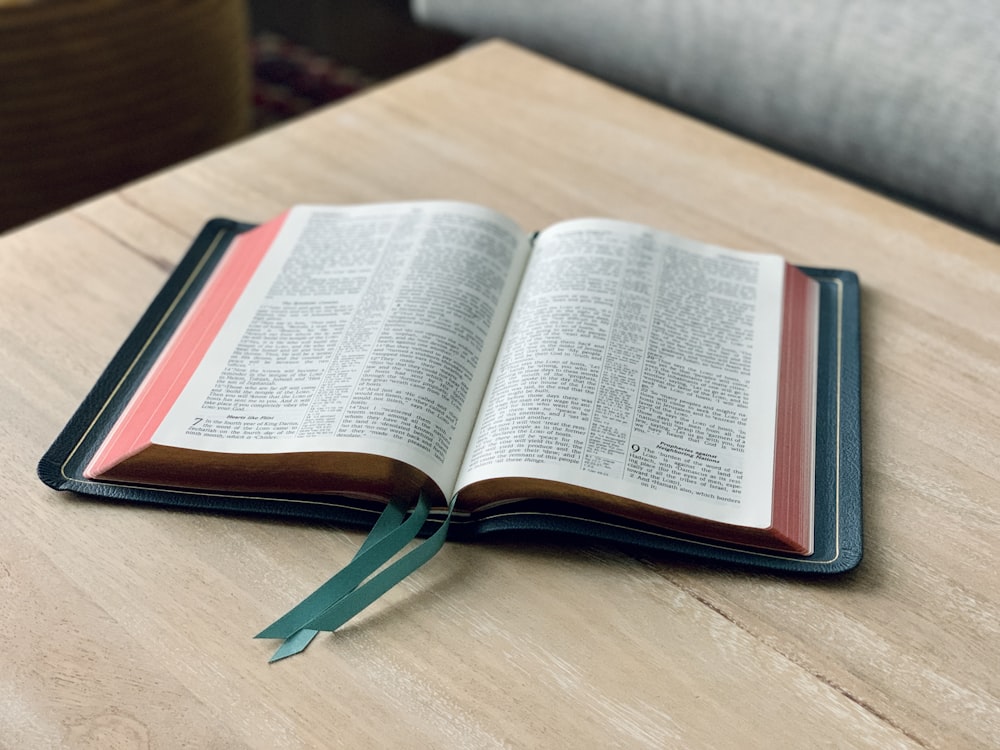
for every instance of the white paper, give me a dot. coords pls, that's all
(369, 329)
(630, 365)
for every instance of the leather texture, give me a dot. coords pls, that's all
(838, 526)
(838, 536)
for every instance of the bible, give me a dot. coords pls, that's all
(433, 366)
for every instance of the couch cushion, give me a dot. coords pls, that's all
(903, 96)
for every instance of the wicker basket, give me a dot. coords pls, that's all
(97, 92)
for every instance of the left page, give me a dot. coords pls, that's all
(366, 329)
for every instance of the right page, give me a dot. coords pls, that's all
(637, 365)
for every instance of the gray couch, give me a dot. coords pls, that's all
(902, 95)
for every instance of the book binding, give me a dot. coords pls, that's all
(838, 534)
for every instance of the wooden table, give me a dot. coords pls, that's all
(128, 626)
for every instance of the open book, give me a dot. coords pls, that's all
(597, 374)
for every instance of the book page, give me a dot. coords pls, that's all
(642, 365)
(364, 329)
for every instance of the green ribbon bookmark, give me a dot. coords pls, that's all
(348, 592)
(388, 520)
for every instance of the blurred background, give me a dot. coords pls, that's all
(95, 93)
(901, 97)
(313, 51)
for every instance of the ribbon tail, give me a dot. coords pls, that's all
(366, 561)
(388, 519)
(294, 644)
(355, 601)
(355, 587)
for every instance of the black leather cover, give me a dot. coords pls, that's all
(838, 538)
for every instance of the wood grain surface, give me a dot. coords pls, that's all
(129, 626)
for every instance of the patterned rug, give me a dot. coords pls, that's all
(289, 79)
